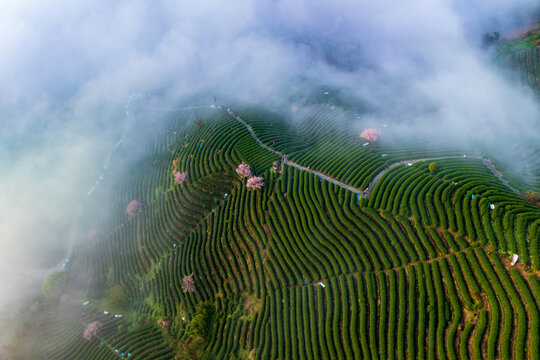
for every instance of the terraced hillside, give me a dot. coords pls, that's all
(303, 268)
(522, 55)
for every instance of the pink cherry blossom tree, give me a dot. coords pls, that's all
(180, 177)
(92, 330)
(244, 170)
(255, 182)
(134, 208)
(370, 134)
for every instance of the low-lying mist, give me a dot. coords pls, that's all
(69, 69)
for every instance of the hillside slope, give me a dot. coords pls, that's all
(302, 268)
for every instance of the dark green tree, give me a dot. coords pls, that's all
(55, 284)
(116, 298)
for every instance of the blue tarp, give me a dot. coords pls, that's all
(358, 196)
(472, 196)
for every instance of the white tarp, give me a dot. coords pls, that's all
(514, 259)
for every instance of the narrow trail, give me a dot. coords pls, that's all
(499, 175)
(363, 193)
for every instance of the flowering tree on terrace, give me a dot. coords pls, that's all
(244, 170)
(188, 284)
(92, 330)
(134, 208)
(255, 183)
(180, 177)
(370, 134)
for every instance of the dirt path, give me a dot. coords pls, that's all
(498, 174)
(363, 193)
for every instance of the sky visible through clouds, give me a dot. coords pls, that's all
(68, 68)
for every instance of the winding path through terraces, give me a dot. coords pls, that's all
(365, 194)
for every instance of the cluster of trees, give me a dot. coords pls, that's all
(253, 182)
(54, 285)
(193, 344)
